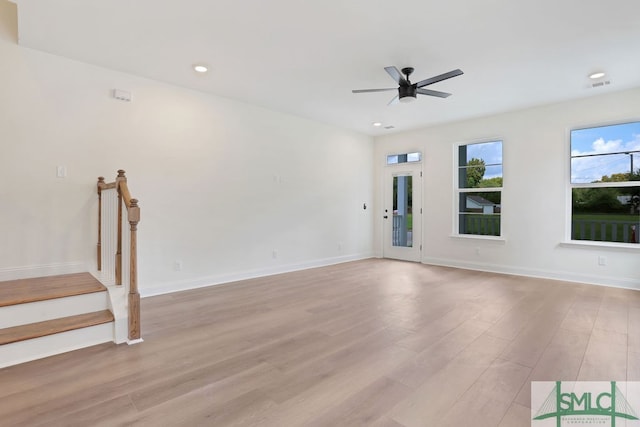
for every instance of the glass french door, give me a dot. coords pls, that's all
(402, 216)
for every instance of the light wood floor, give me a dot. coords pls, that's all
(375, 343)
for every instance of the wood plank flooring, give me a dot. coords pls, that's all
(371, 343)
(43, 288)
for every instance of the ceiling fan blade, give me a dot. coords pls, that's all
(395, 100)
(439, 78)
(433, 93)
(373, 90)
(397, 76)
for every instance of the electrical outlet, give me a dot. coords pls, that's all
(61, 171)
(177, 265)
(274, 254)
(602, 260)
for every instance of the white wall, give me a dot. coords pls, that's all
(221, 184)
(535, 200)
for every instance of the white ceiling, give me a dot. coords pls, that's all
(304, 57)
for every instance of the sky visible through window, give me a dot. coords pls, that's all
(622, 138)
(491, 153)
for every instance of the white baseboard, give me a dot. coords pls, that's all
(244, 275)
(614, 282)
(26, 272)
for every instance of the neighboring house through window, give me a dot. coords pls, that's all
(605, 183)
(479, 188)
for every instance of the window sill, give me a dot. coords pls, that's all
(499, 239)
(600, 245)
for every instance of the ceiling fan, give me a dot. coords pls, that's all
(408, 91)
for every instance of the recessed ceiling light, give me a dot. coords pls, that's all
(596, 75)
(200, 68)
(376, 124)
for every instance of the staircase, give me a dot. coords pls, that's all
(44, 316)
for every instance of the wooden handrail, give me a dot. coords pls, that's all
(133, 217)
(104, 186)
(126, 196)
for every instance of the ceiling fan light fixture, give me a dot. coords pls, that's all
(407, 99)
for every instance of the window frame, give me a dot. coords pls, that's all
(569, 239)
(457, 191)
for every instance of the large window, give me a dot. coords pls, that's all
(479, 192)
(605, 183)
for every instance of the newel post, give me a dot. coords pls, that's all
(119, 178)
(133, 213)
(99, 185)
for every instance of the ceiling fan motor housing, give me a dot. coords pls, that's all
(407, 92)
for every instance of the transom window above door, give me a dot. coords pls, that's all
(395, 159)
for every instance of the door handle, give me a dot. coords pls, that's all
(385, 217)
